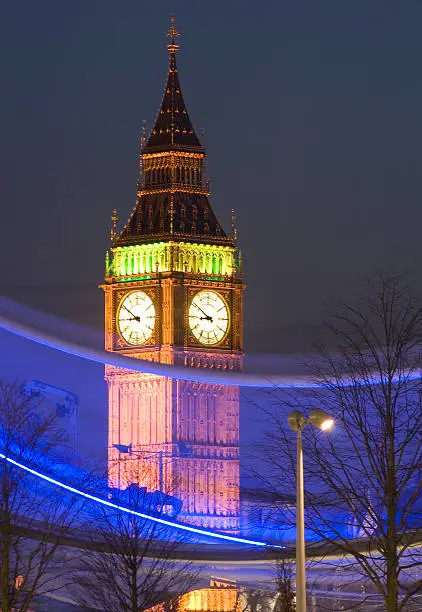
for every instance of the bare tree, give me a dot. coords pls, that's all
(33, 514)
(139, 563)
(285, 601)
(268, 600)
(363, 480)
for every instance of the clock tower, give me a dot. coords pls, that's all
(173, 294)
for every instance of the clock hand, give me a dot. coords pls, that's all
(135, 318)
(207, 317)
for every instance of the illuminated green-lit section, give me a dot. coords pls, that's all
(142, 259)
(134, 278)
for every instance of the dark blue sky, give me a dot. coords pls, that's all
(312, 113)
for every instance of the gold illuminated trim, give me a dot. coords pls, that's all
(170, 154)
(182, 189)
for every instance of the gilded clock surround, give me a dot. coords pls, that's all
(172, 247)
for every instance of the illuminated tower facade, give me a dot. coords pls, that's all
(173, 294)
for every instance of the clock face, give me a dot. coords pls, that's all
(208, 317)
(136, 318)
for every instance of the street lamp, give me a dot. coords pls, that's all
(297, 421)
(183, 452)
(127, 449)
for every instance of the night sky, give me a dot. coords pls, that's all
(312, 118)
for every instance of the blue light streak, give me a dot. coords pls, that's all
(231, 379)
(155, 519)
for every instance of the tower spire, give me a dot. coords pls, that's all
(173, 33)
(172, 191)
(173, 129)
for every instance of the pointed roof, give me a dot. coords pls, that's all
(173, 129)
(172, 198)
(179, 216)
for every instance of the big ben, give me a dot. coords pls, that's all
(173, 294)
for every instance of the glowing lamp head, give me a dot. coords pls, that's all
(321, 419)
(327, 424)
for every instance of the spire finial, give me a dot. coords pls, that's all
(141, 180)
(234, 229)
(114, 219)
(173, 33)
(143, 133)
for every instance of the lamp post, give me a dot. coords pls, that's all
(127, 448)
(297, 421)
(183, 452)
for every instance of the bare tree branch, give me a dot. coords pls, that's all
(365, 478)
(29, 567)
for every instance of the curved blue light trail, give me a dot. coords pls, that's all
(231, 379)
(234, 379)
(154, 519)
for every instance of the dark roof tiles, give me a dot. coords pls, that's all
(193, 220)
(173, 129)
